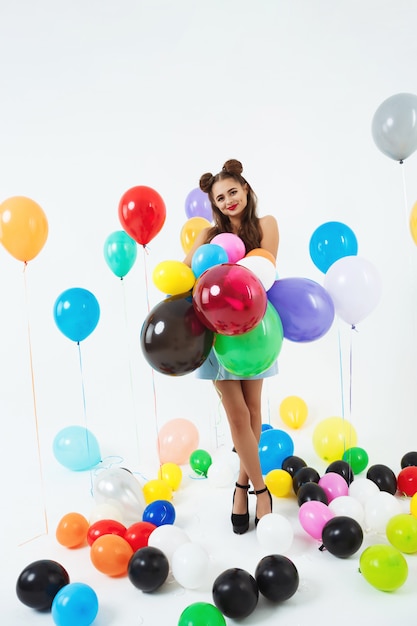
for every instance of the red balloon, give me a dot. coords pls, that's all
(229, 299)
(137, 534)
(407, 481)
(104, 527)
(142, 213)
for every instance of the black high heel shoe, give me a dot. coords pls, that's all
(257, 493)
(240, 521)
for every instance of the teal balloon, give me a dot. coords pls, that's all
(76, 313)
(76, 448)
(252, 353)
(76, 603)
(330, 242)
(120, 252)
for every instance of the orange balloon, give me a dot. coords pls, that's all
(71, 531)
(23, 227)
(110, 554)
(190, 230)
(264, 253)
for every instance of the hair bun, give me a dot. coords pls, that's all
(232, 166)
(205, 181)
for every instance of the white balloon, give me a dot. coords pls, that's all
(220, 474)
(106, 510)
(363, 489)
(119, 487)
(190, 563)
(262, 267)
(394, 126)
(168, 538)
(349, 506)
(379, 510)
(275, 533)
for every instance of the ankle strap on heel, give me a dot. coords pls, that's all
(264, 490)
(246, 487)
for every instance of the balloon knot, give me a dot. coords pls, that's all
(401, 162)
(322, 547)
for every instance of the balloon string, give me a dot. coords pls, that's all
(130, 369)
(87, 440)
(35, 411)
(405, 194)
(342, 393)
(354, 329)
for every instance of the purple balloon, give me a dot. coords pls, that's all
(197, 204)
(306, 309)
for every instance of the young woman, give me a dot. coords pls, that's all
(234, 211)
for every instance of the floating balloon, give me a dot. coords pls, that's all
(274, 446)
(332, 436)
(262, 252)
(197, 204)
(413, 222)
(293, 411)
(190, 563)
(229, 299)
(39, 582)
(206, 256)
(190, 230)
(142, 213)
(277, 577)
(173, 340)
(23, 227)
(120, 252)
(384, 567)
(200, 613)
(110, 554)
(262, 267)
(76, 313)
(251, 353)
(342, 536)
(394, 126)
(355, 287)
(76, 448)
(233, 245)
(330, 242)
(235, 593)
(401, 532)
(76, 603)
(176, 441)
(119, 486)
(173, 277)
(305, 308)
(72, 529)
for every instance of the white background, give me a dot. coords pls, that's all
(97, 97)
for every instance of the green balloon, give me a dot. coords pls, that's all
(200, 461)
(253, 352)
(357, 458)
(201, 614)
(384, 567)
(120, 252)
(401, 532)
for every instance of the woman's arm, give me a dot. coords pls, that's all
(199, 241)
(270, 234)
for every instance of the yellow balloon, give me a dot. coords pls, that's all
(23, 227)
(413, 505)
(413, 223)
(279, 482)
(293, 411)
(173, 277)
(190, 230)
(157, 489)
(332, 436)
(171, 473)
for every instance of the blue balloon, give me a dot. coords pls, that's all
(76, 448)
(159, 512)
(330, 242)
(306, 309)
(197, 204)
(274, 447)
(206, 256)
(75, 604)
(266, 427)
(76, 313)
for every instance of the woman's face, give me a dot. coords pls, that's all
(230, 197)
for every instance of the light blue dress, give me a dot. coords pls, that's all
(211, 369)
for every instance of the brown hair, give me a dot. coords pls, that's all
(250, 230)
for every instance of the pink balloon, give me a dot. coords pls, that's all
(233, 245)
(334, 485)
(313, 516)
(177, 439)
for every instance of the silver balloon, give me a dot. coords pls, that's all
(118, 486)
(394, 126)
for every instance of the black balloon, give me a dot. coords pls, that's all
(277, 577)
(311, 491)
(38, 584)
(343, 468)
(292, 464)
(173, 339)
(342, 536)
(409, 459)
(148, 569)
(383, 477)
(304, 475)
(235, 593)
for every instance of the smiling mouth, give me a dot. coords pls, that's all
(232, 208)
